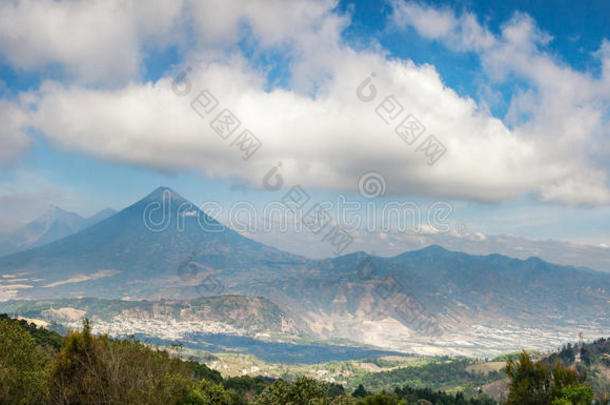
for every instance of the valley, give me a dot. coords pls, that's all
(185, 279)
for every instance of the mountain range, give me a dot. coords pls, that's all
(164, 247)
(54, 224)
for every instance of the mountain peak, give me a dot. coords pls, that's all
(163, 192)
(428, 251)
(54, 212)
(434, 249)
(52, 208)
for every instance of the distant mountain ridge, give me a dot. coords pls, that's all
(164, 247)
(54, 224)
(436, 290)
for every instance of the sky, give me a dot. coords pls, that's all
(493, 113)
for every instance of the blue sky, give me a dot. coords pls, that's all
(517, 92)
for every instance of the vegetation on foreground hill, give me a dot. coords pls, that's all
(533, 383)
(441, 374)
(42, 367)
(595, 362)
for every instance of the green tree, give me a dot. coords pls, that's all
(575, 395)
(22, 373)
(303, 391)
(360, 392)
(563, 377)
(383, 398)
(100, 370)
(540, 384)
(214, 393)
(530, 383)
(192, 396)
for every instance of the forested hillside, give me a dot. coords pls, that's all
(593, 360)
(42, 367)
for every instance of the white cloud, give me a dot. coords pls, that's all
(106, 41)
(327, 141)
(320, 131)
(562, 113)
(13, 136)
(460, 32)
(307, 32)
(429, 22)
(94, 40)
